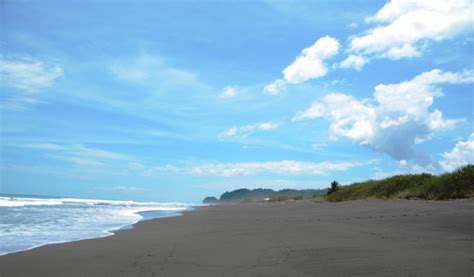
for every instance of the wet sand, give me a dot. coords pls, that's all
(356, 238)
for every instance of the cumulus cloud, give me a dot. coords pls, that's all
(394, 119)
(462, 154)
(404, 26)
(415, 96)
(353, 61)
(246, 130)
(28, 74)
(308, 65)
(349, 117)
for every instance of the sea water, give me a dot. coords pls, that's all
(28, 221)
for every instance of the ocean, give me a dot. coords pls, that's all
(27, 222)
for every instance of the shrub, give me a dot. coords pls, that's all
(334, 187)
(457, 184)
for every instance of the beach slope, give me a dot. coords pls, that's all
(355, 238)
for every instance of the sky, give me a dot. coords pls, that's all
(178, 100)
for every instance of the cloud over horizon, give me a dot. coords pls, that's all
(285, 167)
(461, 154)
(395, 119)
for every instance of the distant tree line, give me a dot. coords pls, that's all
(256, 195)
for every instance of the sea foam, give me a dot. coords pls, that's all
(29, 222)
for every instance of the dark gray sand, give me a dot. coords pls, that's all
(357, 238)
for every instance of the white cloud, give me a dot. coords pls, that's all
(462, 154)
(308, 65)
(229, 92)
(88, 161)
(415, 96)
(350, 117)
(389, 122)
(435, 121)
(285, 167)
(316, 110)
(246, 130)
(29, 75)
(406, 25)
(404, 51)
(274, 167)
(275, 184)
(275, 87)
(395, 119)
(353, 61)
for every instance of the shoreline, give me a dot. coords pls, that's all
(112, 232)
(357, 238)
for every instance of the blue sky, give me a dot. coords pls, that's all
(177, 100)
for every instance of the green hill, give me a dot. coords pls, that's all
(454, 185)
(255, 195)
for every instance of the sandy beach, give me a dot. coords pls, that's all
(356, 238)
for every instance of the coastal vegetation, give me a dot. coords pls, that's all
(454, 185)
(334, 187)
